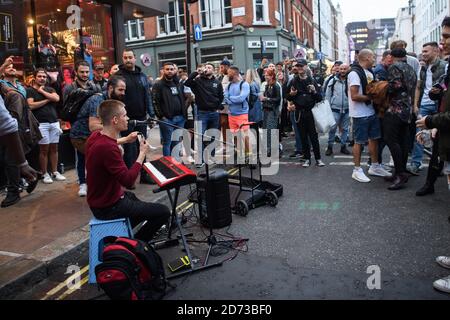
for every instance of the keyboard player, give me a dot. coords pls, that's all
(108, 176)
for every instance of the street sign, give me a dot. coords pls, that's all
(198, 32)
(146, 59)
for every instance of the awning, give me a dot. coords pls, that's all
(133, 9)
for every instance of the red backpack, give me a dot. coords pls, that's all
(131, 270)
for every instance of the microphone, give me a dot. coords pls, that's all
(138, 123)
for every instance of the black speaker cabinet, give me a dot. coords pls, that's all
(214, 199)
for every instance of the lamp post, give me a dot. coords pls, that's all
(411, 8)
(320, 36)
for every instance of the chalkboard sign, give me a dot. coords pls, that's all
(6, 29)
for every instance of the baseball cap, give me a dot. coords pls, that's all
(338, 63)
(302, 62)
(225, 63)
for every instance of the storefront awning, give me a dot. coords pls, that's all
(133, 9)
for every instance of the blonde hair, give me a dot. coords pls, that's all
(252, 76)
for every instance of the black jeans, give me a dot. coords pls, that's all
(131, 150)
(137, 211)
(308, 133)
(381, 142)
(11, 170)
(436, 165)
(396, 135)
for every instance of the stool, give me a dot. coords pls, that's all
(99, 229)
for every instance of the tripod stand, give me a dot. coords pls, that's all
(204, 197)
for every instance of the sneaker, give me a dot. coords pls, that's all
(47, 179)
(320, 163)
(329, 151)
(83, 190)
(442, 285)
(58, 176)
(386, 167)
(378, 171)
(11, 199)
(358, 175)
(413, 169)
(200, 166)
(443, 262)
(190, 160)
(32, 185)
(296, 155)
(307, 164)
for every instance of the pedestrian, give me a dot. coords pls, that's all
(298, 153)
(108, 176)
(423, 105)
(43, 102)
(403, 80)
(138, 103)
(99, 76)
(366, 126)
(170, 108)
(209, 97)
(255, 113)
(225, 80)
(337, 94)
(304, 92)
(271, 100)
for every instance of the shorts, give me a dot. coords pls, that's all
(365, 129)
(237, 121)
(50, 133)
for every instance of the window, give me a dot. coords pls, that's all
(260, 12)
(177, 57)
(282, 13)
(215, 13)
(216, 55)
(173, 22)
(134, 30)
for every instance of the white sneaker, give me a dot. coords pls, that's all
(307, 164)
(442, 285)
(58, 176)
(47, 179)
(190, 160)
(443, 262)
(83, 190)
(358, 175)
(320, 163)
(378, 171)
(386, 167)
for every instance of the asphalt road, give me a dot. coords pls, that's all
(318, 243)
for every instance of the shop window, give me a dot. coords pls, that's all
(216, 55)
(134, 30)
(58, 33)
(177, 57)
(173, 22)
(215, 13)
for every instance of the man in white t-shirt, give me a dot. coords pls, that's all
(366, 125)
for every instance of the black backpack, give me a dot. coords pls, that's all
(252, 97)
(74, 102)
(131, 270)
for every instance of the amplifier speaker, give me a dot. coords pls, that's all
(214, 199)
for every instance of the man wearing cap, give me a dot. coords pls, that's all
(402, 85)
(99, 76)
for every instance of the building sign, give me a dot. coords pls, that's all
(239, 12)
(6, 32)
(146, 59)
(256, 44)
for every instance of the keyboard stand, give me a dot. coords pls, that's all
(176, 220)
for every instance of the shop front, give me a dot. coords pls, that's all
(54, 34)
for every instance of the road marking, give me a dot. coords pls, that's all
(70, 291)
(10, 254)
(63, 284)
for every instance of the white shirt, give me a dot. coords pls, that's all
(428, 85)
(359, 109)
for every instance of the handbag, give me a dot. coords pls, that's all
(323, 116)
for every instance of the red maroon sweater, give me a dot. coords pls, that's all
(107, 173)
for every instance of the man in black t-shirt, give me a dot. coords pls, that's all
(42, 101)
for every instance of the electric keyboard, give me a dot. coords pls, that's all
(169, 173)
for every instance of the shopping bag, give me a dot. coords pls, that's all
(323, 117)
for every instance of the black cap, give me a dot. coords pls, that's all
(338, 63)
(302, 62)
(398, 53)
(225, 63)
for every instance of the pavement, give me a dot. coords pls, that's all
(321, 241)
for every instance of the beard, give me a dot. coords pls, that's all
(116, 97)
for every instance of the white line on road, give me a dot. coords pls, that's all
(10, 254)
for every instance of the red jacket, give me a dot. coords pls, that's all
(107, 173)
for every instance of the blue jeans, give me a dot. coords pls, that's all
(417, 153)
(298, 140)
(365, 129)
(81, 167)
(343, 121)
(210, 120)
(167, 131)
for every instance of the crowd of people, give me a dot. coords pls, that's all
(402, 103)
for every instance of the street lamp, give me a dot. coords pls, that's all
(320, 37)
(411, 8)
